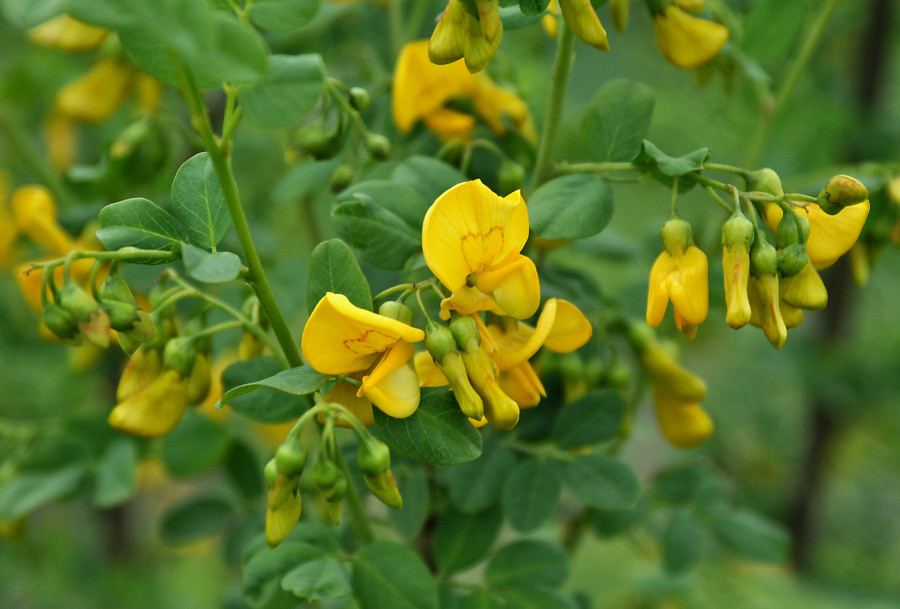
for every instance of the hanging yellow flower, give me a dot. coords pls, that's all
(422, 89)
(67, 34)
(686, 41)
(341, 338)
(472, 239)
(469, 31)
(581, 17)
(680, 275)
(830, 237)
(156, 409)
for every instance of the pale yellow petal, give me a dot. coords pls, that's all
(156, 410)
(684, 424)
(805, 290)
(658, 292)
(685, 40)
(830, 237)
(522, 384)
(570, 330)
(428, 372)
(345, 394)
(97, 94)
(450, 125)
(689, 286)
(395, 388)
(519, 294)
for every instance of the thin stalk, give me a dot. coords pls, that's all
(559, 81)
(359, 522)
(813, 36)
(222, 165)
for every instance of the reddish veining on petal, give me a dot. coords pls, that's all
(364, 345)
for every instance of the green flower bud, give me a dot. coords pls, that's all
(441, 345)
(373, 456)
(342, 176)
(114, 287)
(179, 355)
(290, 458)
(396, 310)
(765, 180)
(122, 315)
(841, 191)
(338, 491)
(788, 231)
(59, 321)
(271, 473)
(384, 487)
(465, 333)
(510, 177)
(324, 474)
(93, 322)
(737, 230)
(360, 99)
(792, 259)
(378, 146)
(676, 235)
(315, 140)
(763, 258)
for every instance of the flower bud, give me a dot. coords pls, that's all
(324, 474)
(792, 259)
(510, 177)
(441, 346)
(271, 472)
(359, 99)
(684, 425)
(372, 456)
(200, 378)
(676, 236)
(616, 375)
(59, 321)
(618, 9)
(763, 257)
(665, 372)
(501, 410)
(384, 487)
(154, 411)
(396, 310)
(765, 180)
(805, 290)
(142, 368)
(335, 499)
(378, 146)
(342, 176)
(290, 457)
(465, 332)
(96, 95)
(34, 212)
(841, 191)
(737, 236)
(766, 308)
(179, 355)
(581, 17)
(93, 322)
(283, 511)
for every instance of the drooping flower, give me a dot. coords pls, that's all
(472, 239)
(97, 94)
(67, 34)
(581, 17)
(680, 274)
(686, 41)
(341, 338)
(830, 236)
(805, 290)
(156, 409)
(422, 90)
(467, 30)
(737, 235)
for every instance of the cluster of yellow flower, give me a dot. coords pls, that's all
(472, 241)
(766, 285)
(472, 30)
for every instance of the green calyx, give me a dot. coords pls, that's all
(179, 354)
(373, 456)
(676, 235)
(465, 333)
(763, 257)
(290, 457)
(396, 310)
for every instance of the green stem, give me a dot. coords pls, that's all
(559, 81)
(813, 36)
(359, 522)
(126, 254)
(222, 165)
(596, 168)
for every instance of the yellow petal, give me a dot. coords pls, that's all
(448, 41)
(687, 41)
(830, 237)
(59, 138)
(581, 17)
(281, 520)
(493, 104)
(522, 384)
(684, 424)
(765, 308)
(467, 301)
(34, 210)
(94, 97)
(393, 385)
(340, 337)
(736, 270)
(689, 286)
(518, 290)
(485, 33)
(449, 124)
(804, 290)
(669, 377)
(468, 228)
(345, 394)
(570, 330)
(154, 411)
(67, 34)
(658, 292)
(428, 372)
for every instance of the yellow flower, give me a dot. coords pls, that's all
(155, 410)
(472, 239)
(768, 312)
(549, 21)
(67, 34)
(737, 235)
(677, 394)
(472, 36)
(680, 275)
(685, 40)
(283, 509)
(804, 290)
(341, 338)
(830, 237)
(422, 89)
(34, 211)
(582, 19)
(97, 94)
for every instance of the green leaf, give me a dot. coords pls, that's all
(652, 157)
(391, 575)
(437, 432)
(772, 28)
(380, 236)
(333, 268)
(751, 535)
(570, 207)
(263, 572)
(210, 267)
(139, 223)
(527, 562)
(195, 519)
(533, 7)
(594, 417)
(477, 485)
(681, 543)
(289, 90)
(29, 491)
(531, 493)
(109, 14)
(403, 201)
(609, 523)
(197, 201)
(266, 404)
(537, 597)
(428, 176)
(283, 15)
(603, 482)
(302, 380)
(413, 485)
(239, 55)
(244, 469)
(461, 540)
(195, 446)
(616, 120)
(318, 579)
(116, 477)
(26, 14)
